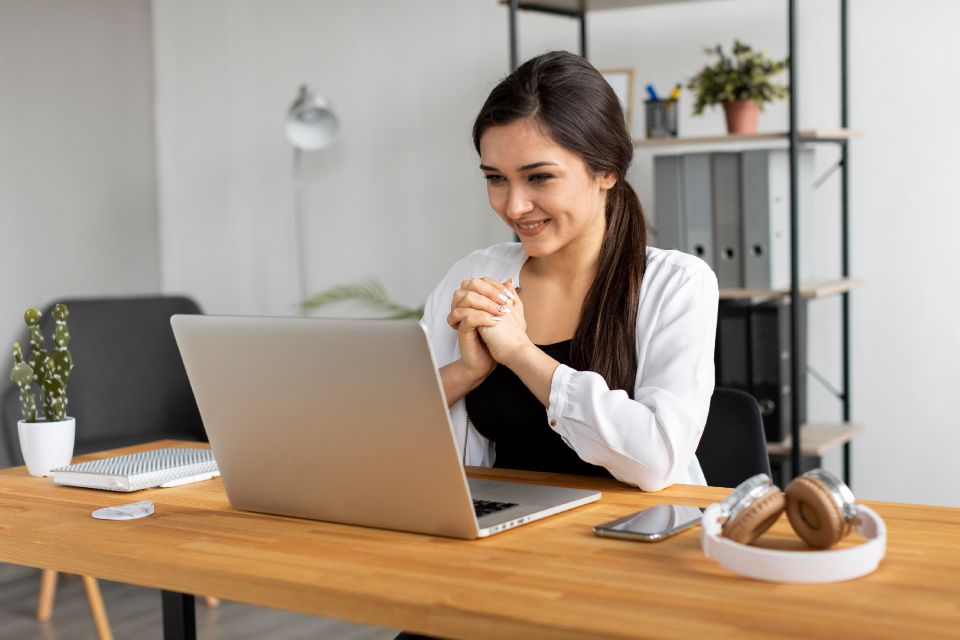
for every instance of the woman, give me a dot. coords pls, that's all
(579, 349)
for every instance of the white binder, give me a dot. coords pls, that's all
(136, 471)
(766, 214)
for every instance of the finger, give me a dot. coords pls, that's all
(490, 288)
(458, 297)
(456, 316)
(466, 298)
(468, 319)
(475, 321)
(473, 300)
(501, 288)
(512, 290)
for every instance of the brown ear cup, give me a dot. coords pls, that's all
(814, 515)
(750, 523)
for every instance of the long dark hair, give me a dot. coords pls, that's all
(577, 108)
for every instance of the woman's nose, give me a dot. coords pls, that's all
(518, 203)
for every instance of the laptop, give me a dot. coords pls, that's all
(344, 420)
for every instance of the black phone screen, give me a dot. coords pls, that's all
(655, 523)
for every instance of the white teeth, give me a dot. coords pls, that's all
(535, 225)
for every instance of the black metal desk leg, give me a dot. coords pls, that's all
(179, 616)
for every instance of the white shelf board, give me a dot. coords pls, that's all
(817, 438)
(775, 139)
(597, 5)
(808, 289)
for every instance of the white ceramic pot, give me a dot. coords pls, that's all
(46, 445)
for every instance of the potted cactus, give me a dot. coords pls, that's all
(46, 441)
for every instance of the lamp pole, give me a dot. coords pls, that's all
(298, 230)
(310, 125)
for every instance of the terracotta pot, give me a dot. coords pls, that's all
(742, 116)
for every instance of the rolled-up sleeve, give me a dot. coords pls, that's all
(650, 439)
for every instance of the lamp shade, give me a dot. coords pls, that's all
(311, 123)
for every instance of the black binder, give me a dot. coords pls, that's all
(732, 353)
(753, 355)
(771, 381)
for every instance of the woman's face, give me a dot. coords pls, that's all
(543, 191)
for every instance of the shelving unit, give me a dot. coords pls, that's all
(807, 439)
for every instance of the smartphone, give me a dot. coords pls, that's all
(653, 524)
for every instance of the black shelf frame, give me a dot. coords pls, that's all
(515, 6)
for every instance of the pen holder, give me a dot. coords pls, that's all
(661, 118)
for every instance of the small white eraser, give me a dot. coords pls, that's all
(130, 511)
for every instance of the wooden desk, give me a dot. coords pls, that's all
(551, 579)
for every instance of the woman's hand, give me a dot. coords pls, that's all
(508, 336)
(478, 303)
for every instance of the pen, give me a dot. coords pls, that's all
(676, 92)
(652, 93)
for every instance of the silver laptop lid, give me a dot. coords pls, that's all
(329, 419)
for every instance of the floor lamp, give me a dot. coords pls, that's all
(311, 125)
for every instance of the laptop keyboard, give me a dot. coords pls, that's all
(486, 507)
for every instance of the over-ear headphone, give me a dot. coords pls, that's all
(822, 511)
(821, 508)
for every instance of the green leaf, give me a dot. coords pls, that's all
(369, 293)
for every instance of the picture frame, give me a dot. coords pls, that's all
(622, 81)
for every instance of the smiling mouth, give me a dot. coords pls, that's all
(533, 226)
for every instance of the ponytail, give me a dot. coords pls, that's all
(606, 335)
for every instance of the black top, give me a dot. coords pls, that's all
(503, 410)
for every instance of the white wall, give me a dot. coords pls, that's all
(906, 344)
(77, 174)
(396, 197)
(399, 197)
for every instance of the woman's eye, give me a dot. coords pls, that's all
(540, 178)
(494, 179)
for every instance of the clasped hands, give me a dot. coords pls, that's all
(491, 329)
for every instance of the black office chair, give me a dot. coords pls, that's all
(733, 446)
(128, 385)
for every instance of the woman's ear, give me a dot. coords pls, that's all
(607, 180)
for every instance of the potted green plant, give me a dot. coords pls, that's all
(742, 83)
(46, 441)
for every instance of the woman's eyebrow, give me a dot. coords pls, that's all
(526, 167)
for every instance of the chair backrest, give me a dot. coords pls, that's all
(733, 446)
(128, 383)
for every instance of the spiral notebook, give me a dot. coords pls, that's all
(135, 471)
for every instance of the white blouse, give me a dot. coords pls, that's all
(648, 441)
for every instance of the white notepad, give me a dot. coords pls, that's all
(136, 471)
